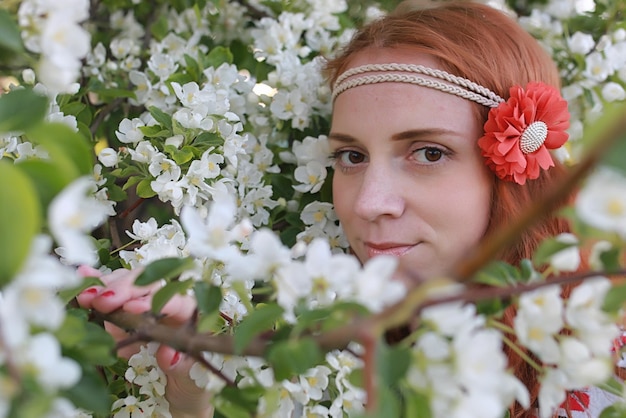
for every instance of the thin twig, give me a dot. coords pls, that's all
(480, 294)
(132, 207)
(253, 11)
(200, 359)
(103, 113)
(369, 340)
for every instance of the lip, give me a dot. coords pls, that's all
(387, 248)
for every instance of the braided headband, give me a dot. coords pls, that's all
(458, 86)
(518, 132)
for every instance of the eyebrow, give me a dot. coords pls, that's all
(400, 136)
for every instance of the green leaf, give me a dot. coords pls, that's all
(107, 94)
(210, 139)
(90, 393)
(116, 193)
(498, 273)
(547, 249)
(145, 190)
(33, 403)
(68, 294)
(192, 67)
(245, 397)
(20, 219)
(617, 410)
(163, 295)
(528, 270)
(73, 108)
(9, 33)
(615, 298)
(69, 151)
(20, 109)
(218, 56)
(391, 363)
(155, 131)
(209, 297)
(226, 409)
(95, 345)
(327, 318)
(161, 27)
(611, 260)
(72, 331)
(258, 321)
(181, 156)
(163, 118)
(165, 268)
(46, 178)
(131, 182)
(388, 405)
(293, 357)
(415, 404)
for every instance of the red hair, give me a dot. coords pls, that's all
(484, 45)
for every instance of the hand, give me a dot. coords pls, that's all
(119, 292)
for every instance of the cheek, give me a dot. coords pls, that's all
(474, 212)
(341, 199)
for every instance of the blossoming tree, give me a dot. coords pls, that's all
(186, 137)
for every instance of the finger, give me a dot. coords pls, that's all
(86, 296)
(120, 288)
(178, 310)
(88, 271)
(182, 392)
(118, 335)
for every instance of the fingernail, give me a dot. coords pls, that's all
(175, 358)
(91, 290)
(108, 293)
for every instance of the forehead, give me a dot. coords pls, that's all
(390, 102)
(400, 54)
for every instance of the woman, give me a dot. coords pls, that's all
(419, 174)
(410, 178)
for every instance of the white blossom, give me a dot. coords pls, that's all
(581, 43)
(311, 177)
(602, 201)
(72, 214)
(129, 132)
(376, 288)
(108, 157)
(612, 92)
(567, 259)
(538, 320)
(42, 355)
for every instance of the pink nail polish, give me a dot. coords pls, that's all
(108, 293)
(175, 358)
(91, 290)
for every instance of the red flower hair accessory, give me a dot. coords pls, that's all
(520, 131)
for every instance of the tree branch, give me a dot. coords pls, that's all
(145, 327)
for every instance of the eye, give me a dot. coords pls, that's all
(429, 154)
(349, 158)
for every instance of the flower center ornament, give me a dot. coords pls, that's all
(533, 137)
(519, 132)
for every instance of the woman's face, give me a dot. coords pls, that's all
(409, 179)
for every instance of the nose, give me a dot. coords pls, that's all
(380, 194)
